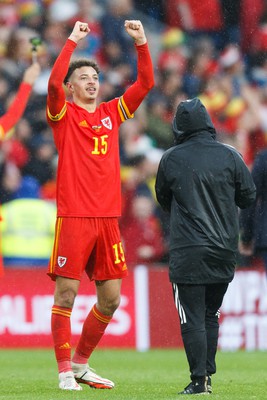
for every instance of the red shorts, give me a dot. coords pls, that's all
(87, 244)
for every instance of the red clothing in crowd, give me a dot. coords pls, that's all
(16, 109)
(10, 118)
(249, 22)
(195, 15)
(138, 234)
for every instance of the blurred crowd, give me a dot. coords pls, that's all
(213, 49)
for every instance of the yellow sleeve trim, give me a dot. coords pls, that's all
(58, 116)
(2, 133)
(123, 110)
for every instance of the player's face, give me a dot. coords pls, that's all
(84, 84)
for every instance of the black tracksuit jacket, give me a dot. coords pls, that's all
(202, 182)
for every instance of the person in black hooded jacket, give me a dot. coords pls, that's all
(201, 183)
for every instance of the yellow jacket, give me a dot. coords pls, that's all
(28, 228)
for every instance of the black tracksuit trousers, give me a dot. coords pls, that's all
(198, 309)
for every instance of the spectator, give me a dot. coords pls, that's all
(28, 226)
(134, 141)
(117, 48)
(253, 221)
(19, 102)
(19, 48)
(141, 232)
(231, 11)
(173, 52)
(158, 126)
(138, 177)
(91, 12)
(48, 190)
(196, 18)
(30, 14)
(10, 182)
(40, 164)
(152, 8)
(249, 22)
(9, 120)
(201, 65)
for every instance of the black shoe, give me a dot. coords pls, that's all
(209, 387)
(196, 387)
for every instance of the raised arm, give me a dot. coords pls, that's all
(17, 107)
(56, 95)
(136, 93)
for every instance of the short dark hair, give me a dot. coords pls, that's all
(78, 64)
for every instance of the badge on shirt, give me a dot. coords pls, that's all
(107, 123)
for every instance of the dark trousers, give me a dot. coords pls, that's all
(198, 309)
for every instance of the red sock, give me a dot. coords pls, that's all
(61, 332)
(93, 329)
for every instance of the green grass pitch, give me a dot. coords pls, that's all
(152, 375)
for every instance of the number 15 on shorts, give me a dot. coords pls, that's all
(118, 253)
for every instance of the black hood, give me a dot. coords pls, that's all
(191, 117)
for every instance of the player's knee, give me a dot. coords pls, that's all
(114, 304)
(109, 306)
(65, 298)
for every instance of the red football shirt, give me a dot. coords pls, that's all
(88, 176)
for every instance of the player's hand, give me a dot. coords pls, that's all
(32, 73)
(135, 29)
(80, 31)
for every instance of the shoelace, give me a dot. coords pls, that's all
(70, 381)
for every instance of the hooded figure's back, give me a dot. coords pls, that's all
(191, 117)
(201, 181)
